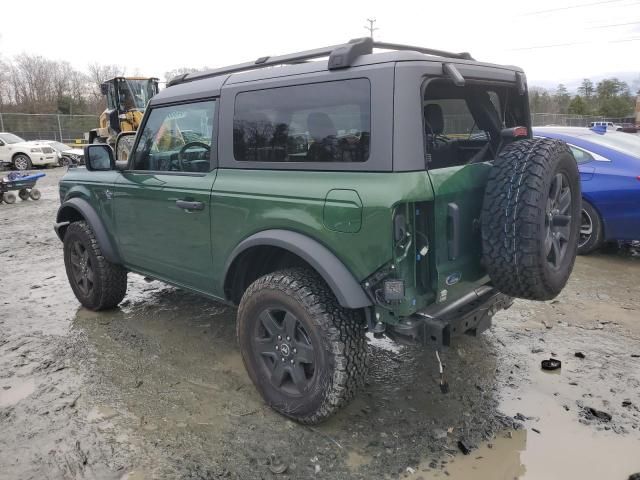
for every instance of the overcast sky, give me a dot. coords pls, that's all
(553, 40)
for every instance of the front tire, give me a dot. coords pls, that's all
(97, 283)
(305, 353)
(22, 162)
(23, 193)
(590, 238)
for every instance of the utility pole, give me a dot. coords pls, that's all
(370, 27)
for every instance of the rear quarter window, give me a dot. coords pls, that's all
(320, 122)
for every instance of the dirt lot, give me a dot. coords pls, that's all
(156, 389)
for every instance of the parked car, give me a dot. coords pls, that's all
(66, 155)
(328, 198)
(627, 128)
(609, 164)
(21, 154)
(609, 125)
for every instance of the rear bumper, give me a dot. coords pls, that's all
(438, 324)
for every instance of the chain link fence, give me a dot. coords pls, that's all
(67, 129)
(72, 128)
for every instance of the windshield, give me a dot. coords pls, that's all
(10, 138)
(622, 142)
(135, 94)
(59, 146)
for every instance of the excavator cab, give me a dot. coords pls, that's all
(126, 97)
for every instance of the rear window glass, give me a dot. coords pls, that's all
(580, 155)
(321, 122)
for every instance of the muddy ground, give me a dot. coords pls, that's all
(156, 389)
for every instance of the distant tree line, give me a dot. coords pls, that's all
(35, 84)
(610, 97)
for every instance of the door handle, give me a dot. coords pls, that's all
(187, 205)
(453, 230)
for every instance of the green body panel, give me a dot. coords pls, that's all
(159, 238)
(350, 213)
(464, 187)
(249, 201)
(343, 211)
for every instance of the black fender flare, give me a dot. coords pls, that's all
(340, 280)
(80, 206)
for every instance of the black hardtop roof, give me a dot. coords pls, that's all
(355, 53)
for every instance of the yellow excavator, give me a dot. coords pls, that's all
(127, 97)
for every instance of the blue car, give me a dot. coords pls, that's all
(609, 164)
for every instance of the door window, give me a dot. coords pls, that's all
(177, 138)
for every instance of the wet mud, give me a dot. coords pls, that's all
(157, 389)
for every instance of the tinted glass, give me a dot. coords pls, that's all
(322, 122)
(580, 155)
(177, 138)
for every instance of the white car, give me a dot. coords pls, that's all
(23, 155)
(66, 155)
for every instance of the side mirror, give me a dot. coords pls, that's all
(104, 88)
(99, 157)
(124, 145)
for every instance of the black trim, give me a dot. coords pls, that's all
(341, 281)
(89, 214)
(168, 172)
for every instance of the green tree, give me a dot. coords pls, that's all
(562, 99)
(614, 98)
(578, 106)
(586, 89)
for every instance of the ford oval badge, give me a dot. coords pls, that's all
(453, 278)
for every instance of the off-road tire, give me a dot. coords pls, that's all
(337, 334)
(22, 162)
(514, 213)
(35, 194)
(595, 240)
(9, 197)
(110, 280)
(23, 193)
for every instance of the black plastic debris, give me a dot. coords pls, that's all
(579, 354)
(536, 430)
(626, 402)
(551, 364)
(599, 414)
(634, 476)
(635, 355)
(464, 447)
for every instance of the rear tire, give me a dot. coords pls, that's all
(530, 218)
(9, 197)
(97, 283)
(305, 353)
(590, 237)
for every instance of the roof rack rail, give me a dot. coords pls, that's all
(428, 51)
(340, 56)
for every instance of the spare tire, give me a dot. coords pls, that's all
(531, 218)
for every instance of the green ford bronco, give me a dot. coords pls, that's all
(398, 193)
